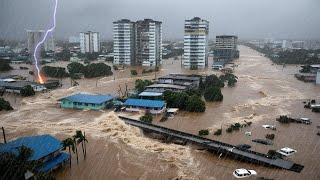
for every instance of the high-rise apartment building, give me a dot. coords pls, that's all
(89, 42)
(226, 48)
(195, 43)
(137, 43)
(149, 42)
(124, 35)
(35, 36)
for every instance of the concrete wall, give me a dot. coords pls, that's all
(72, 105)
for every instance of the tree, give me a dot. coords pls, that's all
(176, 99)
(140, 85)
(230, 78)
(68, 143)
(27, 91)
(97, 70)
(213, 94)
(63, 55)
(195, 104)
(80, 138)
(213, 80)
(218, 132)
(134, 72)
(203, 132)
(146, 118)
(75, 67)
(201, 84)
(5, 66)
(5, 105)
(56, 72)
(270, 136)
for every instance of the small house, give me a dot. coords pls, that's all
(153, 106)
(46, 149)
(86, 101)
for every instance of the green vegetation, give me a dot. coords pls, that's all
(27, 91)
(55, 72)
(5, 105)
(75, 67)
(285, 119)
(195, 104)
(218, 132)
(213, 80)
(182, 100)
(5, 66)
(270, 136)
(140, 85)
(213, 94)
(115, 68)
(237, 126)
(14, 166)
(230, 78)
(203, 132)
(146, 118)
(134, 72)
(64, 55)
(97, 70)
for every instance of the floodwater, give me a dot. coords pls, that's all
(118, 151)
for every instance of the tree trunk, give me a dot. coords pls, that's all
(85, 147)
(77, 153)
(70, 156)
(82, 149)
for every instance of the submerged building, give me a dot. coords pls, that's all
(86, 101)
(226, 48)
(46, 150)
(196, 32)
(152, 106)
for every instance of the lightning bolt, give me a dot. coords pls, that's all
(42, 41)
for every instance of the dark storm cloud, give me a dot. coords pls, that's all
(246, 18)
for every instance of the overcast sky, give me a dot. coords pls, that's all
(245, 18)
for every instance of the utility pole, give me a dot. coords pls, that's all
(4, 136)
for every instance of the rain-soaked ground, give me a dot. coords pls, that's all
(118, 151)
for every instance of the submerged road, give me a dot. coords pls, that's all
(218, 147)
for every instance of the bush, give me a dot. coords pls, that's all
(75, 67)
(27, 91)
(56, 72)
(176, 99)
(195, 104)
(229, 130)
(146, 118)
(270, 136)
(230, 78)
(284, 119)
(218, 132)
(134, 72)
(203, 132)
(5, 105)
(213, 94)
(140, 85)
(97, 70)
(213, 80)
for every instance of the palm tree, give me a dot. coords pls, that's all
(68, 143)
(75, 143)
(81, 138)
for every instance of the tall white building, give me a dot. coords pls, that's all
(124, 39)
(149, 43)
(35, 36)
(195, 43)
(89, 42)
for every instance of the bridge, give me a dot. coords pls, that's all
(218, 147)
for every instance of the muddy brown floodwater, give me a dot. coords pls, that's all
(118, 151)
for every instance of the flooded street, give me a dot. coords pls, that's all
(117, 151)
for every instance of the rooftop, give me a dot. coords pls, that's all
(180, 77)
(144, 103)
(145, 93)
(41, 145)
(167, 86)
(88, 98)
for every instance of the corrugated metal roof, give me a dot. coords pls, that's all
(42, 145)
(49, 165)
(144, 103)
(145, 93)
(88, 98)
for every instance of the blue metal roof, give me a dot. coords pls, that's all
(88, 98)
(42, 145)
(49, 165)
(144, 103)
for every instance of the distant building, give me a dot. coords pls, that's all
(152, 106)
(165, 87)
(46, 149)
(149, 43)
(297, 45)
(74, 39)
(13, 86)
(196, 43)
(89, 42)
(85, 101)
(226, 48)
(124, 41)
(318, 78)
(35, 36)
(189, 81)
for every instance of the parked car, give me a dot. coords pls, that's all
(243, 173)
(287, 151)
